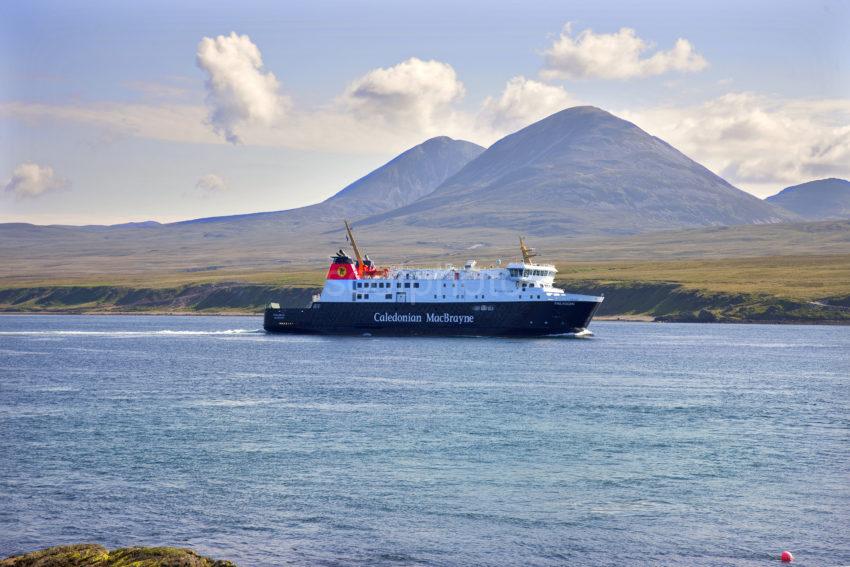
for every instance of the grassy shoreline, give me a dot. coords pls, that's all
(785, 289)
(258, 315)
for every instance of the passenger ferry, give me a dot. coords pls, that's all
(358, 297)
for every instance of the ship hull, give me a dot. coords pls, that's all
(532, 318)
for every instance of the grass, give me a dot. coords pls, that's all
(300, 277)
(805, 278)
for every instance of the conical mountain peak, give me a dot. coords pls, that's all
(584, 170)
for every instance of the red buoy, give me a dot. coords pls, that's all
(787, 557)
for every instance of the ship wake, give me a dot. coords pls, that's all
(152, 333)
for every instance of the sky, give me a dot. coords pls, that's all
(116, 112)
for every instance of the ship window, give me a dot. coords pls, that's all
(359, 296)
(374, 284)
(444, 297)
(416, 284)
(398, 284)
(388, 296)
(365, 296)
(406, 284)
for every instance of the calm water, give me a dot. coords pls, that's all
(672, 444)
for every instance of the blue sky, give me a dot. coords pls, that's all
(105, 114)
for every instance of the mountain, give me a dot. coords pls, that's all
(583, 170)
(823, 199)
(406, 178)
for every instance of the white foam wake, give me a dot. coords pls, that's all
(162, 332)
(583, 334)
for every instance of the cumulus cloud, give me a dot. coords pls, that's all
(615, 56)
(757, 142)
(522, 102)
(239, 92)
(211, 183)
(32, 180)
(411, 94)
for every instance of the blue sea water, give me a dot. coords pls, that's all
(667, 444)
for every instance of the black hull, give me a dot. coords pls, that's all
(529, 318)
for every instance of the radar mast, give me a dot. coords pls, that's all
(353, 244)
(527, 253)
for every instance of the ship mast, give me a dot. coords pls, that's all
(353, 244)
(527, 253)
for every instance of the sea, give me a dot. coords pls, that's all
(648, 443)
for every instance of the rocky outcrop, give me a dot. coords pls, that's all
(673, 302)
(209, 298)
(89, 554)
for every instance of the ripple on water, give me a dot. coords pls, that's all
(666, 444)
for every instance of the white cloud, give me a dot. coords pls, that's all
(615, 56)
(32, 180)
(170, 122)
(756, 142)
(522, 102)
(211, 183)
(239, 93)
(413, 94)
(175, 89)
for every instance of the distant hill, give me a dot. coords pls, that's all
(823, 199)
(583, 170)
(406, 178)
(577, 182)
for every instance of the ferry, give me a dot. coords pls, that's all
(360, 298)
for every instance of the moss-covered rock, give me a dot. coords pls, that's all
(89, 554)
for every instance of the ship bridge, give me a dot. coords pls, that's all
(518, 281)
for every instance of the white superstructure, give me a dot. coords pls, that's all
(518, 281)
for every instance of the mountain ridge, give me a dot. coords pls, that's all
(820, 199)
(615, 176)
(407, 177)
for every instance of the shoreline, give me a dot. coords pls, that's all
(603, 318)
